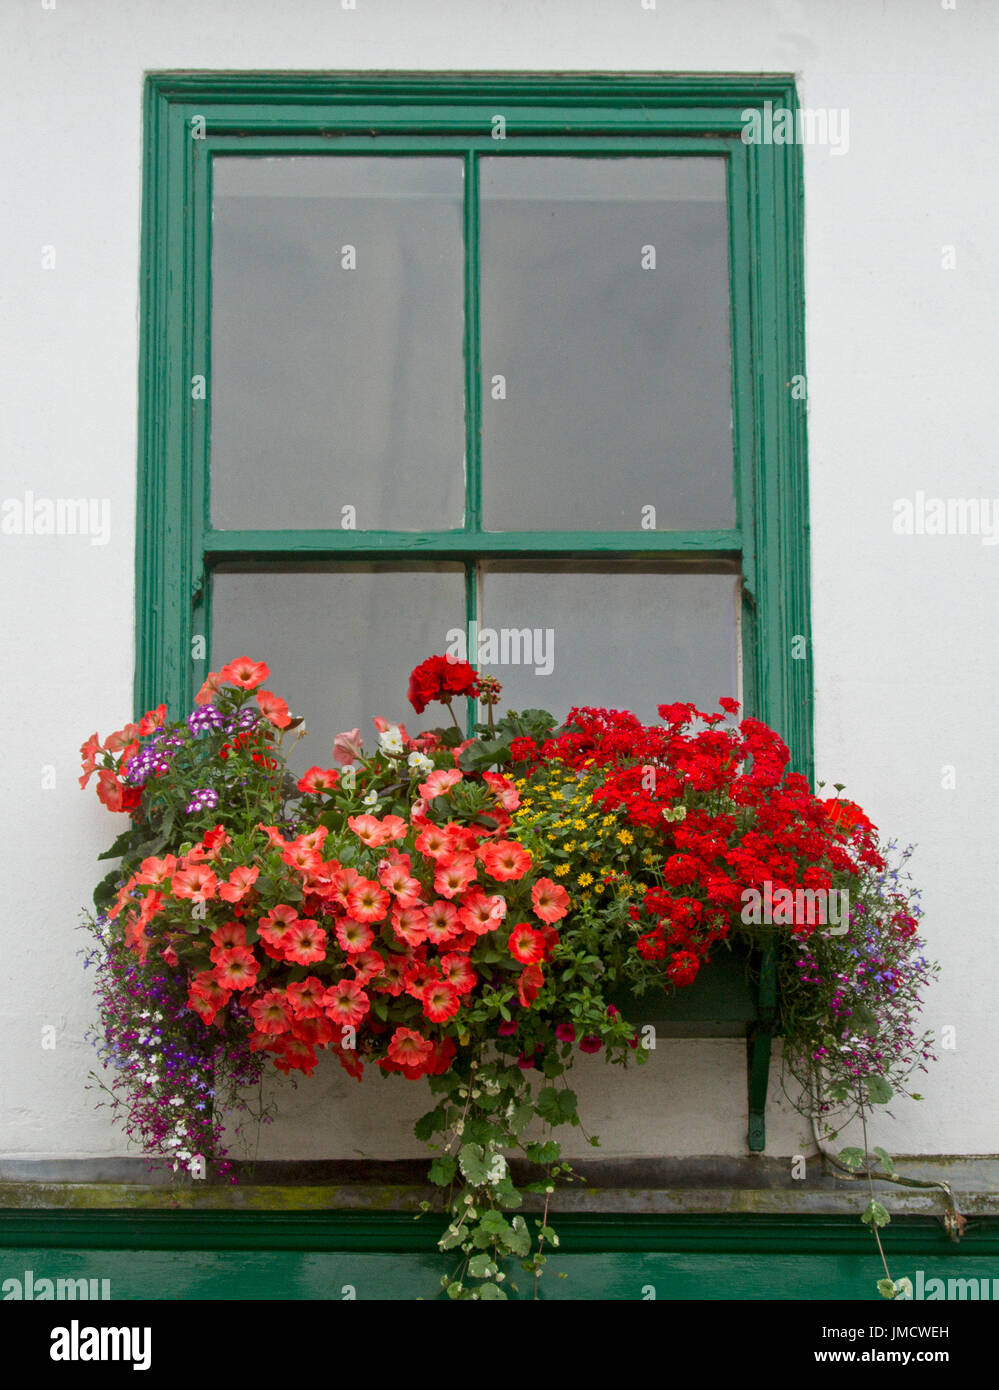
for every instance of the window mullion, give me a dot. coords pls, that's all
(473, 391)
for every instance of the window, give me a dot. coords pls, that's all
(508, 357)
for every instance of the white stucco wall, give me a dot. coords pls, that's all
(901, 358)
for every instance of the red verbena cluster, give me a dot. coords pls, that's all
(730, 816)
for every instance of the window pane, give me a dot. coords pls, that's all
(333, 386)
(340, 640)
(617, 376)
(629, 638)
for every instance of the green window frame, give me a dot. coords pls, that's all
(192, 118)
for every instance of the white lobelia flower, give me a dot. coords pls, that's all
(420, 763)
(371, 799)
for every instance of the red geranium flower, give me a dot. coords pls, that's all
(847, 815)
(439, 678)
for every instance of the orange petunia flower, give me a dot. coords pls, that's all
(245, 673)
(197, 883)
(236, 968)
(274, 708)
(454, 873)
(551, 901)
(241, 880)
(480, 914)
(304, 942)
(367, 901)
(346, 1003)
(441, 1001)
(271, 1013)
(526, 944)
(505, 860)
(409, 1048)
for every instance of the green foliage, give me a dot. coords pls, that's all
(875, 1214)
(852, 1158)
(879, 1091)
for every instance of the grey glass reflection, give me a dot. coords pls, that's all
(629, 638)
(617, 377)
(333, 386)
(340, 641)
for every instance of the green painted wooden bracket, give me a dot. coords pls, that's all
(758, 1041)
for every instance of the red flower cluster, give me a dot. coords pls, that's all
(114, 793)
(730, 816)
(390, 944)
(440, 678)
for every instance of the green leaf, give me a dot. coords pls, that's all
(471, 1160)
(443, 1169)
(852, 1158)
(506, 1194)
(427, 1125)
(543, 1153)
(887, 1163)
(489, 1293)
(557, 1107)
(875, 1215)
(107, 890)
(886, 1288)
(517, 1238)
(878, 1089)
(493, 1222)
(482, 1267)
(125, 840)
(521, 1118)
(450, 1239)
(862, 1020)
(481, 756)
